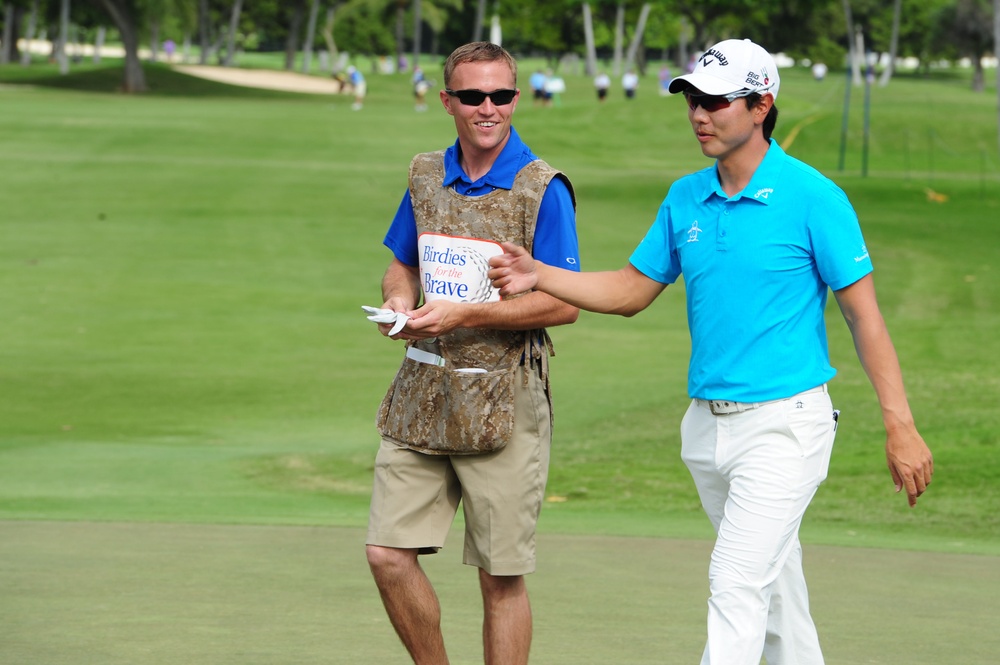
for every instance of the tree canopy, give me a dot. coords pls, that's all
(804, 29)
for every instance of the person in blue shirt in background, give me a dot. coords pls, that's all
(537, 82)
(358, 87)
(760, 238)
(468, 417)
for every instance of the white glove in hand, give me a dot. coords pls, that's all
(377, 315)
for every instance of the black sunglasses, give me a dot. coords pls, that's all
(477, 97)
(713, 103)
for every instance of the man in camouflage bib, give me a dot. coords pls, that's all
(467, 418)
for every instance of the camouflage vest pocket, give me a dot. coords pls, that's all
(439, 411)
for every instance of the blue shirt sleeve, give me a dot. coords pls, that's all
(656, 257)
(556, 242)
(838, 244)
(401, 238)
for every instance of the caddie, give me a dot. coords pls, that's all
(467, 419)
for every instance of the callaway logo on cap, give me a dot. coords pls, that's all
(731, 66)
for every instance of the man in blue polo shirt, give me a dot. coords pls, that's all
(468, 418)
(760, 237)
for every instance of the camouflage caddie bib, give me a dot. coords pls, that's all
(454, 395)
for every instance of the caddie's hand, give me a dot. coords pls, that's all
(910, 463)
(396, 304)
(435, 318)
(514, 271)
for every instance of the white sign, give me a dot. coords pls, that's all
(455, 268)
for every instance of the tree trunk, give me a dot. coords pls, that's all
(63, 56)
(154, 40)
(859, 55)
(292, 41)
(682, 46)
(893, 44)
(30, 34)
(203, 33)
(234, 24)
(6, 48)
(135, 78)
(418, 30)
(616, 67)
(590, 68)
(996, 49)
(11, 34)
(400, 31)
(331, 45)
(853, 57)
(477, 27)
(102, 32)
(978, 75)
(640, 27)
(307, 46)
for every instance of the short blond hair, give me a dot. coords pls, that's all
(478, 52)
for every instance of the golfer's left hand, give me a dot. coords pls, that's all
(910, 463)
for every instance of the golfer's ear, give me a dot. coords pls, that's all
(763, 107)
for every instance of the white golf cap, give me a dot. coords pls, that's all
(731, 66)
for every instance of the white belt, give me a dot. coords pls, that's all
(722, 407)
(421, 356)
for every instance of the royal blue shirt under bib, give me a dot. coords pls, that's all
(556, 241)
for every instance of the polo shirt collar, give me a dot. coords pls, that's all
(501, 175)
(763, 183)
(767, 176)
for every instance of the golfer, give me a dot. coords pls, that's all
(760, 237)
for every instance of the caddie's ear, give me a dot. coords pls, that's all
(446, 101)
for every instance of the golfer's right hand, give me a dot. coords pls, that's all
(514, 271)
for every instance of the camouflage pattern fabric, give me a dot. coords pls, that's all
(433, 409)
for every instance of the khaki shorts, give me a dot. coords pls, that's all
(416, 496)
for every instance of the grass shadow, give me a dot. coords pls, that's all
(107, 78)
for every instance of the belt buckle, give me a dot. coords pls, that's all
(721, 407)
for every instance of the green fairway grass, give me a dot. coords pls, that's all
(184, 271)
(121, 594)
(182, 342)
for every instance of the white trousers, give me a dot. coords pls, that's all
(756, 472)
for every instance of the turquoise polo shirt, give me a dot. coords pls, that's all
(555, 242)
(756, 268)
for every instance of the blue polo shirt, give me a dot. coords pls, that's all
(756, 268)
(555, 231)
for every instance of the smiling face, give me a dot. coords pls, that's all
(482, 130)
